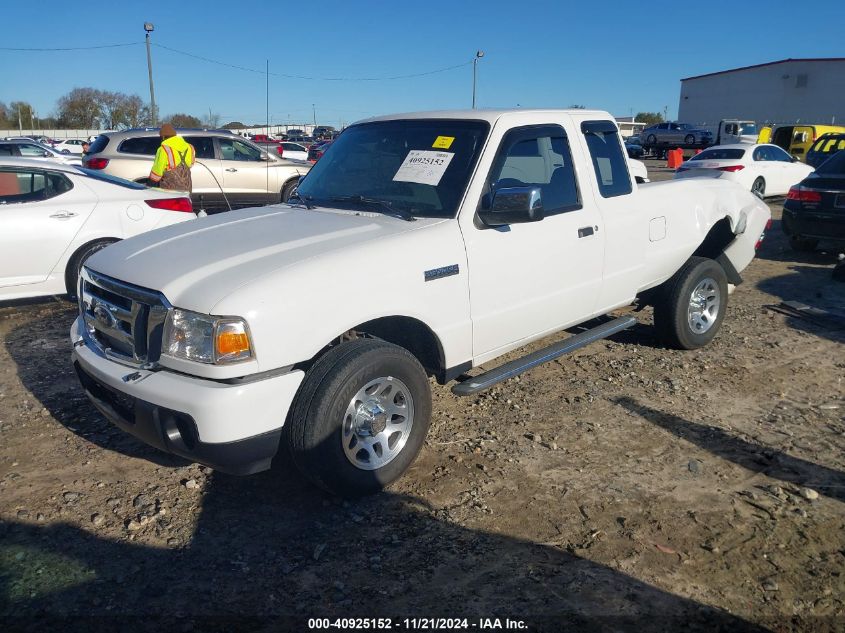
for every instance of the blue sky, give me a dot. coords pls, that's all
(619, 56)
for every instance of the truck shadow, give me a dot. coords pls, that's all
(267, 553)
(776, 248)
(41, 350)
(754, 457)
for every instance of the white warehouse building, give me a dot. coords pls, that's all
(785, 91)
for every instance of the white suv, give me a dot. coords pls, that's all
(230, 172)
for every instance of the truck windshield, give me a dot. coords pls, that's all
(748, 129)
(419, 167)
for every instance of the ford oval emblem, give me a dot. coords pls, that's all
(103, 316)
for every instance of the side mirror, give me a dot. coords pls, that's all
(513, 205)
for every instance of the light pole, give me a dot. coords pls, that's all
(148, 27)
(478, 55)
(314, 111)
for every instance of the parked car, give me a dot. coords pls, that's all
(825, 147)
(429, 244)
(323, 132)
(295, 132)
(797, 138)
(814, 210)
(307, 141)
(766, 170)
(229, 170)
(70, 146)
(31, 149)
(53, 217)
(316, 151)
(634, 149)
(294, 151)
(676, 134)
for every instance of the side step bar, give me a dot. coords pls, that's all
(474, 384)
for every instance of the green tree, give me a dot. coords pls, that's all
(80, 108)
(649, 118)
(182, 120)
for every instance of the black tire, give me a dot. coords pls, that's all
(802, 244)
(689, 139)
(77, 261)
(672, 310)
(315, 427)
(651, 140)
(758, 187)
(287, 189)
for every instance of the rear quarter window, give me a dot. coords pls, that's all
(100, 143)
(143, 145)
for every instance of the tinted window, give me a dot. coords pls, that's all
(203, 145)
(833, 165)
(720, 154)
(232, 149)
(538, 156)
(6, 150)
(144, 145)
(17, 186)
(99, 144)
(609, 160)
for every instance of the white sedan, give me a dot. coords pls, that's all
(54, 216)
(294, 151)
(69, 146)
(765, 169)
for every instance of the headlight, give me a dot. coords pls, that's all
(206, 339)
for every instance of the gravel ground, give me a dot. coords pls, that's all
(623, 486)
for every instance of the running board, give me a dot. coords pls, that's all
(474, 384)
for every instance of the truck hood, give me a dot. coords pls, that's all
(196, 264)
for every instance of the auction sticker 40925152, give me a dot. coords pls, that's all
(423, 166)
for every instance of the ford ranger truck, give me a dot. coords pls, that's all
(420, 246)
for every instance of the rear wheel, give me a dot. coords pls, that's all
(360, 417)
(74, 267)
(803, 244)
(689, 139)
(758, 187)
(652, 139)
(691, 307)
(287, 190)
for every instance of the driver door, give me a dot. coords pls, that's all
(246, 177)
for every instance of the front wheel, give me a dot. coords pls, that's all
(360, 417)
(692, 304)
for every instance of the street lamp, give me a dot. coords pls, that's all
(148, 27)
(478, 55)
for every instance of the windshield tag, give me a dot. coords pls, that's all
(423, 166)
(443, 142)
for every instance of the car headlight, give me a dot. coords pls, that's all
(206, 339)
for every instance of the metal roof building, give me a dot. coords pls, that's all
(785, 91)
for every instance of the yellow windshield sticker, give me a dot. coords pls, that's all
(443, 142)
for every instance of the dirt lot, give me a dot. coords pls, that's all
(624, 486)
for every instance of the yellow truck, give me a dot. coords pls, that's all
(797, 138)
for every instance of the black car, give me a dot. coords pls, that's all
(814, 210)
(824, 147)
(634, 149)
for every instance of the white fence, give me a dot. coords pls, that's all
(60, 134)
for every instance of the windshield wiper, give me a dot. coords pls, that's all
(306, 200)
(381, 205)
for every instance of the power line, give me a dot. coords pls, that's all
(70, 48)
(309, 78)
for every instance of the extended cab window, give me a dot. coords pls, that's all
(538, 157)
(18, 186)
(609, 162)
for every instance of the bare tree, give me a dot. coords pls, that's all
(80, 108)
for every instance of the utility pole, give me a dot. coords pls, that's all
(20, 123)
(148, 27)
(478, 55)
(314, 110)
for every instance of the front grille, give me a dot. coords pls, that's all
(125, 322)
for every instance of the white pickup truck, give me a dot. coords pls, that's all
(421, 245)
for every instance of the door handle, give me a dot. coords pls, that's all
(63, 215)
(231, 169)
(586, 231)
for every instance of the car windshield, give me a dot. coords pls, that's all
(420, 167)
(833, 166)
(720, 154)
(98, 175)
